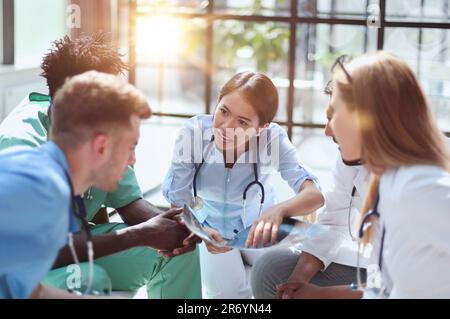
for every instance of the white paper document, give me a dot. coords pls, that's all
(291, 232)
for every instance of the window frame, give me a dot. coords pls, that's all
(7, 54)
(210, 17)
(8, 42)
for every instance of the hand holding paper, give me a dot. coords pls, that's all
(266, 227)
(289, 232)
(218, 240)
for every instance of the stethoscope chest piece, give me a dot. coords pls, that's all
(196, 203)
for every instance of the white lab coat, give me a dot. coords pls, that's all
(415, 211)
(337, 245)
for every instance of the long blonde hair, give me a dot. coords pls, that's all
(396, 122)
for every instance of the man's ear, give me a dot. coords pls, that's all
(99, 145)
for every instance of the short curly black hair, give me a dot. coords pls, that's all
(70, 57)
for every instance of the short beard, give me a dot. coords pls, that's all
(357, 162)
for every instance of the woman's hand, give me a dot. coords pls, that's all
(266, 226)
(214, 234)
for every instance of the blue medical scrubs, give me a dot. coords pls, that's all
(35, 215)
(222, 188)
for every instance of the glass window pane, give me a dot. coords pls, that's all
(170, 40)
(344, 9)
(262, 47)
(49, 26)
(170, 55)
(172, 90)
(157, 133)
(122, 29)
(427, 52)
(253, 7)
(317, 48)
(160, 6)
(317, 151)
(418, 10)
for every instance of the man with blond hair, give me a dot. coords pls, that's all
(30, 124)
(96, 119)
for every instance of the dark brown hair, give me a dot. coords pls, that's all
(70, 57)
(257, 90)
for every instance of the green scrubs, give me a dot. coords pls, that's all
(179, 277)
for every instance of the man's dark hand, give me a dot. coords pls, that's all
(163, 232)
(189, 244)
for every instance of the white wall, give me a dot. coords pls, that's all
(34, 36)
(19, 80)
(17, 83)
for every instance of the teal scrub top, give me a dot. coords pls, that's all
(29, 124)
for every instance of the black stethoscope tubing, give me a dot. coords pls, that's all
(244, 195)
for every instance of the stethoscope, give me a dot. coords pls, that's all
(197, 202)
(79, 210)
(362, 229)
(88, 195)
(349, 214)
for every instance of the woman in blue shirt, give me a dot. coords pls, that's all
(222, 164)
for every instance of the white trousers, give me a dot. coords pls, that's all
(224, 275)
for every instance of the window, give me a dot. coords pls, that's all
(171, 63)
(240, 46)
(24, 47)
(343, 9)
(251, 7)
(318, 45)
(185, 50)
(418, 11)
(48, 25)
(427, 52)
